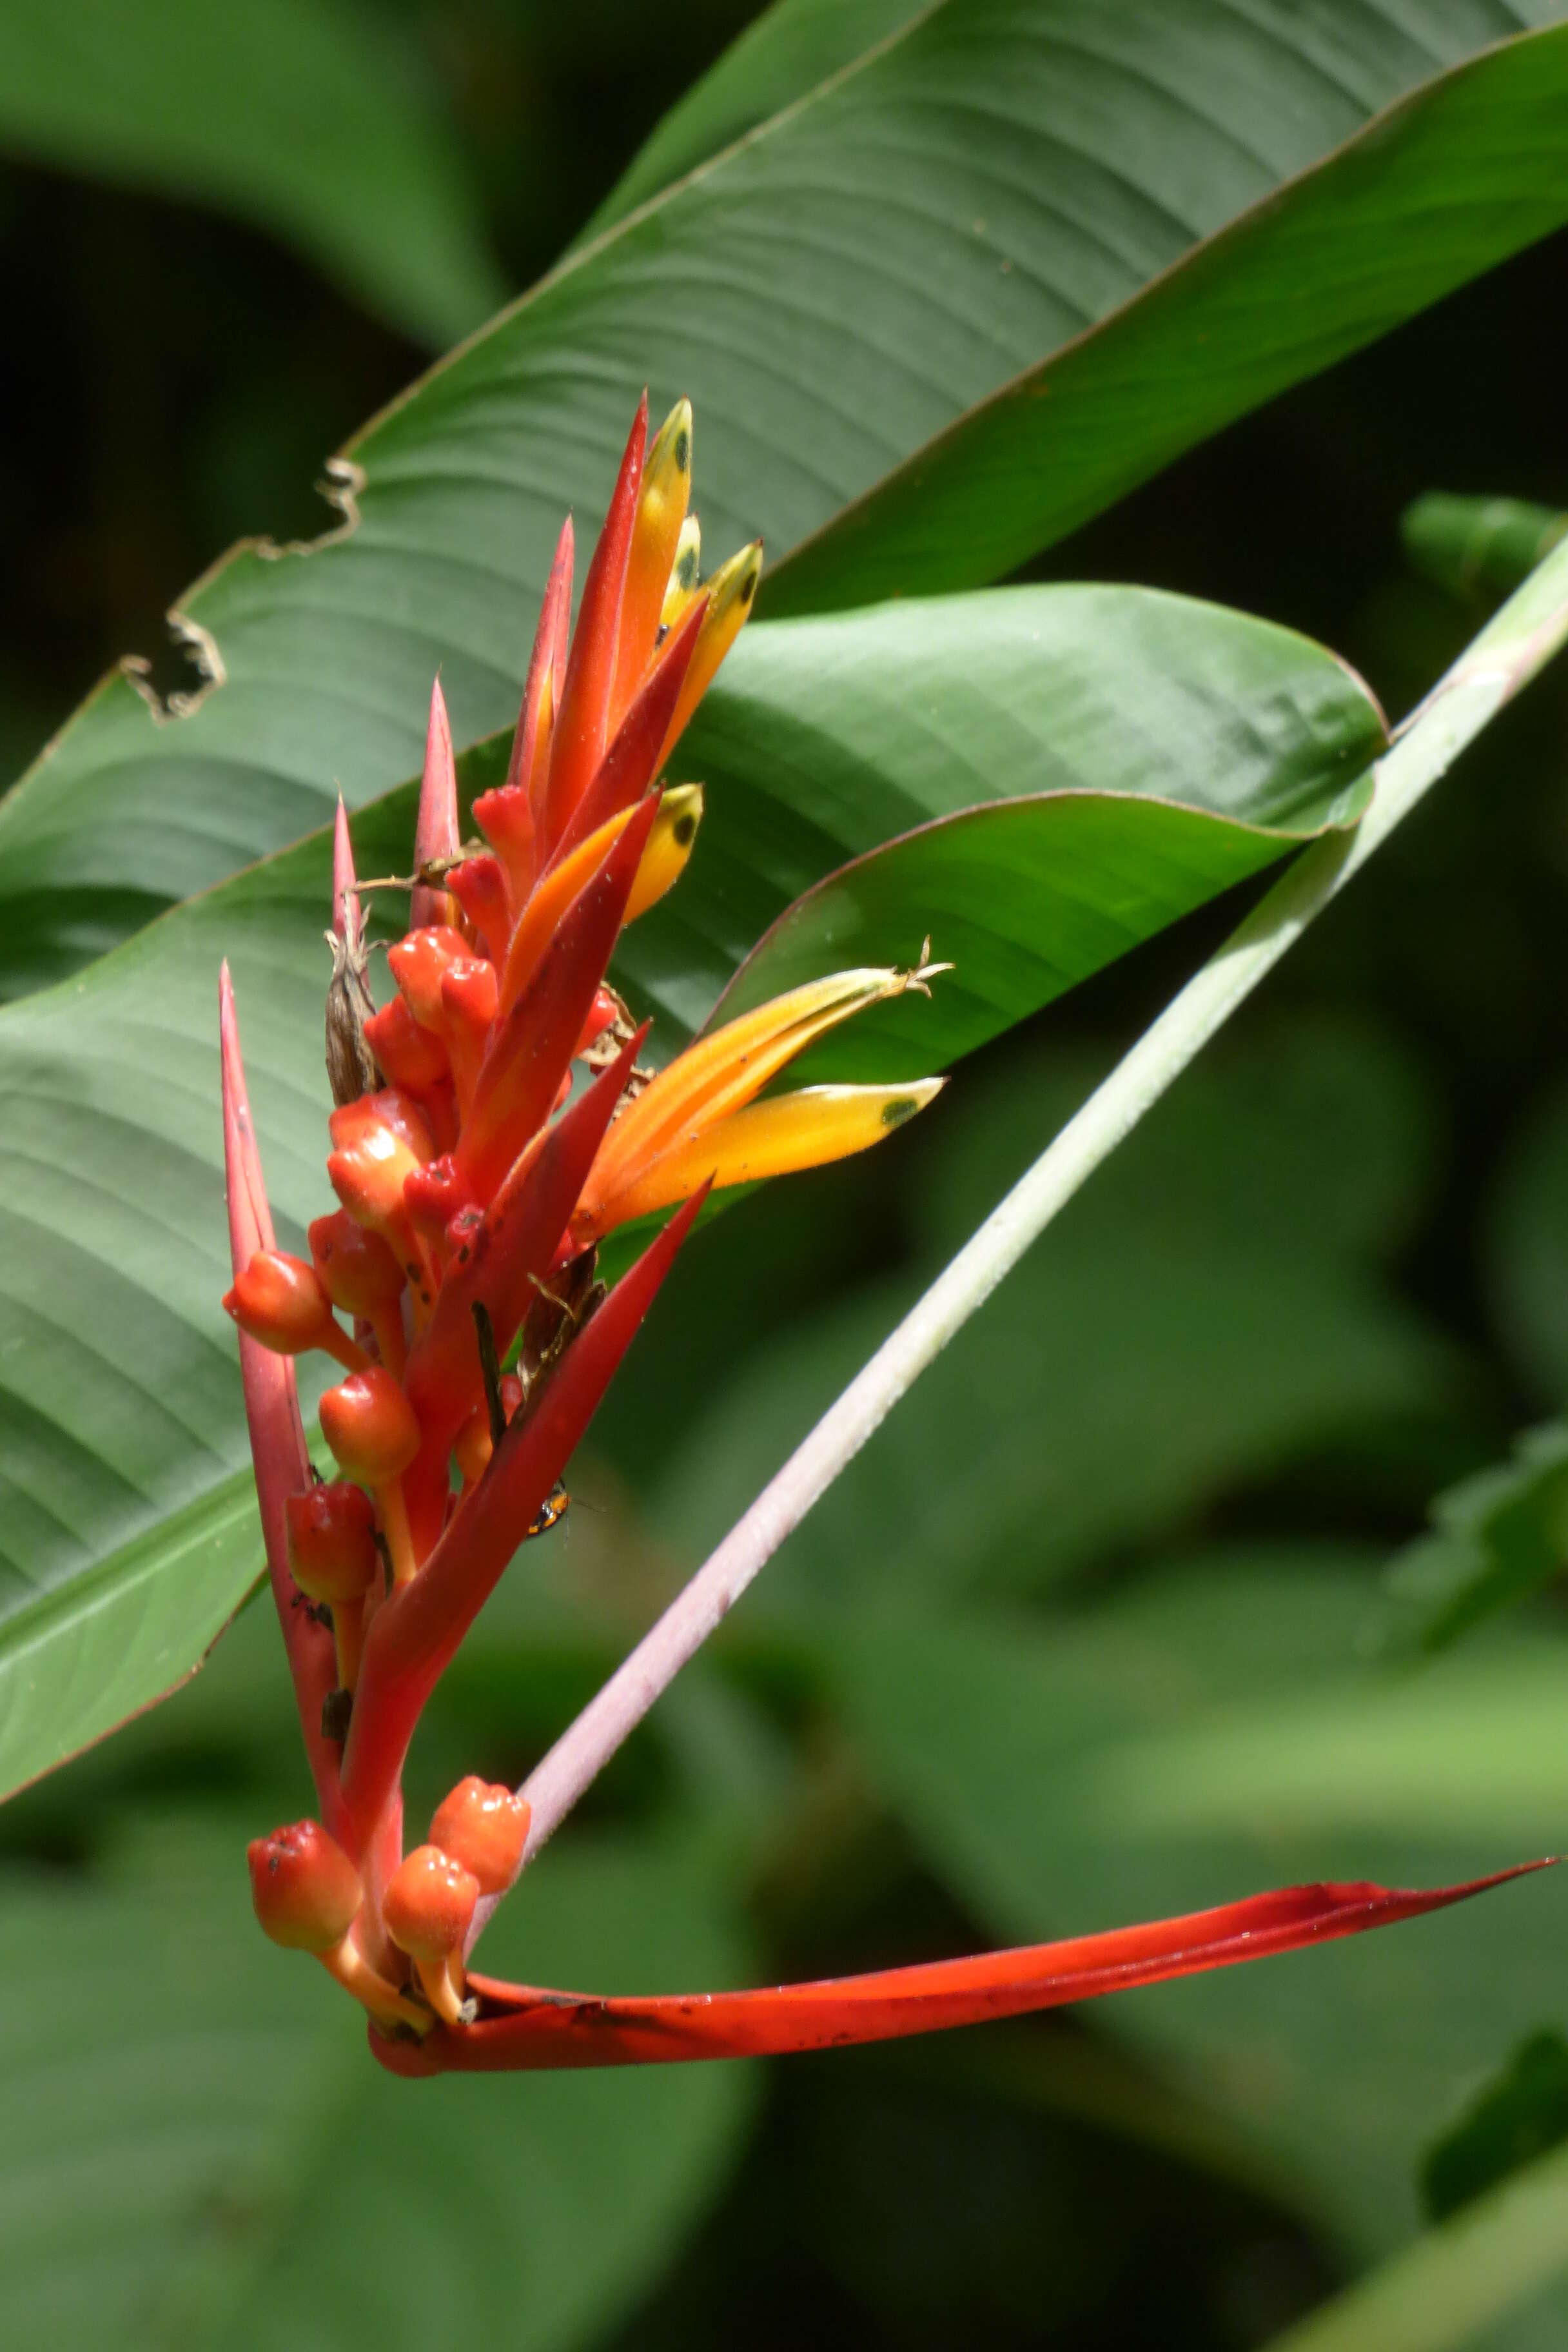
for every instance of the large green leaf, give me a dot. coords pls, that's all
(203, 2152)
(1217, 1732)
(298, 115)
(992, 185)
(119, 1390)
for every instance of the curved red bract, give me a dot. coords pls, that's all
(523, 2028)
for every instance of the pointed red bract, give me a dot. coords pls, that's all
(531, 1049)
(272, 1413)
(435, 832)
(629, 767)
(546, 670)
(415, 1636)
(512, 1248)
(522, 2028)
(577, 745)
(346, 920)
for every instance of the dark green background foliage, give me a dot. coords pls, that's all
(1102, 1624)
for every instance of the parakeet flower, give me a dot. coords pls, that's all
(492, 1123)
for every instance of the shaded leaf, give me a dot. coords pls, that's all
(1526, 1245)
(209, 2102)
(1479, 548)
(300, 116)
(1521, 2113)
(1498, 1537)
(1202, 1316)
(1483, 2279)
(1193, 1736)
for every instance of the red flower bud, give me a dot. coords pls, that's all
(602, 1014)
(370, 1425)
(411, 1056)
(478, 885)
(418, 962)
(279, 1301)
(354, 1267)
(434, 1194)
(332, 1541)
(485, 1828)
(428, 1903)
(305, 1889)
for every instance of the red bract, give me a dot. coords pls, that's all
(492, 1123)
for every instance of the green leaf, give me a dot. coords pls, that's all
(1516, 2117)
(993, 191)
(1498, 1537)
(119, 1398)
(1496, 2261)
(301, 115)
(1216, 1733)
(211, 2157)
(1479, 548)
(779, 60)
(1154, 751)
(1281, 290)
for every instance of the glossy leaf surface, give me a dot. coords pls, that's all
(990, 188)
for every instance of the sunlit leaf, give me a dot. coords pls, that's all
(1077, 198)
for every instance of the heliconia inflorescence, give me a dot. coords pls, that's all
(492, 1123)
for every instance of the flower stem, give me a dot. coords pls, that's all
(1516, 644)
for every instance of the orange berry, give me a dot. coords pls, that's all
(370, 1425)
(305, 1889)
(485, 1828)
(418, 960)
(428, 1903)
(280, 1300)
(411, 1056)
(332, 1541)
(354, 1267)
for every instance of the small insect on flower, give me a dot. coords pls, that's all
(492, 1122)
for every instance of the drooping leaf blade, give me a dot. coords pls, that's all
(988, 187)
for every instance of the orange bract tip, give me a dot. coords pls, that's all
(779, 1137)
